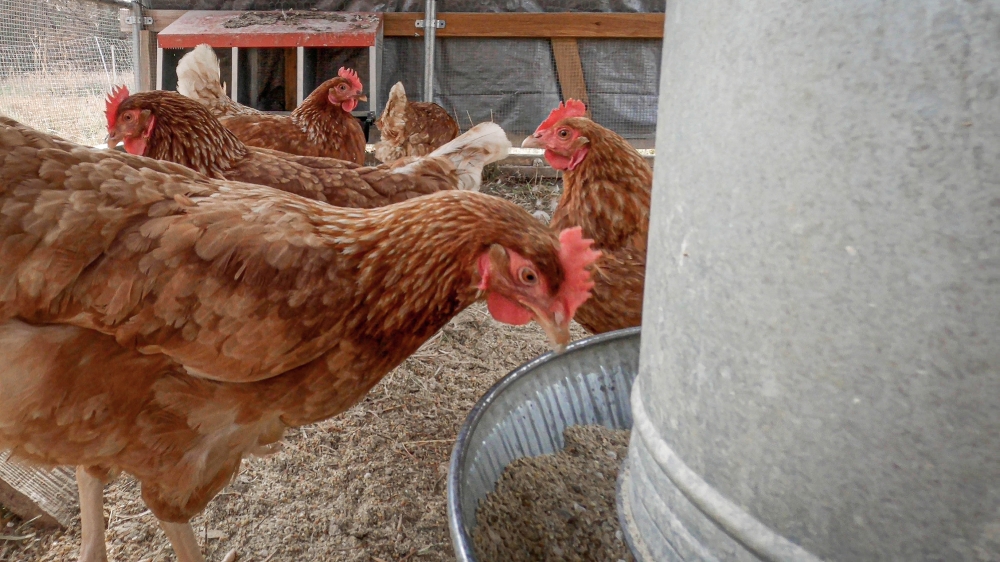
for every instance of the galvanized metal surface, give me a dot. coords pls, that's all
(430, 32)
(136, 45)
(525, 413)
(820, 330)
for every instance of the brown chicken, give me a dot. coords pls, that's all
(606, 190)
(321, 126)
(161, 323)
(169, 126)
(412, 128)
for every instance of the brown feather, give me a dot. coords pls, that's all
(193, 320)
(608, 195)
(186, 133)
(315, 128)
(412, 128)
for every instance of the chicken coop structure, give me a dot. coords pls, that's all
(482, 61)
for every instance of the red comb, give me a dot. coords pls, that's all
(572, 108)
(575, 255)
(115, 98)
(351, 77)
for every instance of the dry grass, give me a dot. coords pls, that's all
(532, 195)
(368, 485)
(67, 104)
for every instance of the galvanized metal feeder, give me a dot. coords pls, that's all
(525, 413)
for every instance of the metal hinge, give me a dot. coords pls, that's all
(146, 20)
(438, 24)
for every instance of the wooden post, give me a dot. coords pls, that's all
(253, 55)
(145, 70)
(50, 495)
(290, 79)
(570, 70)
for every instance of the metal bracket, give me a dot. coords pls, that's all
(146, 20)
(438, 24)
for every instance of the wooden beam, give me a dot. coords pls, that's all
(591, 25)
(146, 70)
(570, 70)
(290, 77)
(47, 495)
(161, 19)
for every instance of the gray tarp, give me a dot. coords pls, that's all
(512, 81)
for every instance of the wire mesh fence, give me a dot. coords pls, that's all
(516, 82)
(58, 58)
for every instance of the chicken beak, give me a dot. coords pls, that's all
(361, 97)
(112, 140)
(556, 327)
(533, 142)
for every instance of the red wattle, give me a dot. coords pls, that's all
(557, 161)
(506, 310)
(135, 146)
(560, 162)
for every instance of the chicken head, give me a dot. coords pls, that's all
(517, 291)
(565, 147)
(134, 127)
(345, 90)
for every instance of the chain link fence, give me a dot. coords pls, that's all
(58, 58)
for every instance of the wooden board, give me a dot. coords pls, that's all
(276, 29)
(161, 19)
(596, 25)
(290, 78)
(30, 492)
(147, 49)
(570, 70)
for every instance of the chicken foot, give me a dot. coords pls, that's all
(92, 548)
(185, 544)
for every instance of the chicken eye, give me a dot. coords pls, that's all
(563, 133)
(527, 276)
(341, 87)
(128, 117)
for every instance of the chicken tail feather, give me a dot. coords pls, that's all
(471, 152)
(198, 75)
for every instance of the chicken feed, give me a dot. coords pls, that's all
(559, 506)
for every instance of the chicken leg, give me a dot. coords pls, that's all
(183, 541)
(92, 548)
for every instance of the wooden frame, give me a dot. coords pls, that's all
(569, 68)
(539, 25)
(591, 25)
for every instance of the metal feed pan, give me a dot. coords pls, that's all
(525, 413)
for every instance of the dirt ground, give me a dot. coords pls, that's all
(368, 485)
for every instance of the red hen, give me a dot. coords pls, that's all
(321, 126)
(161, 323)
(606, 190)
